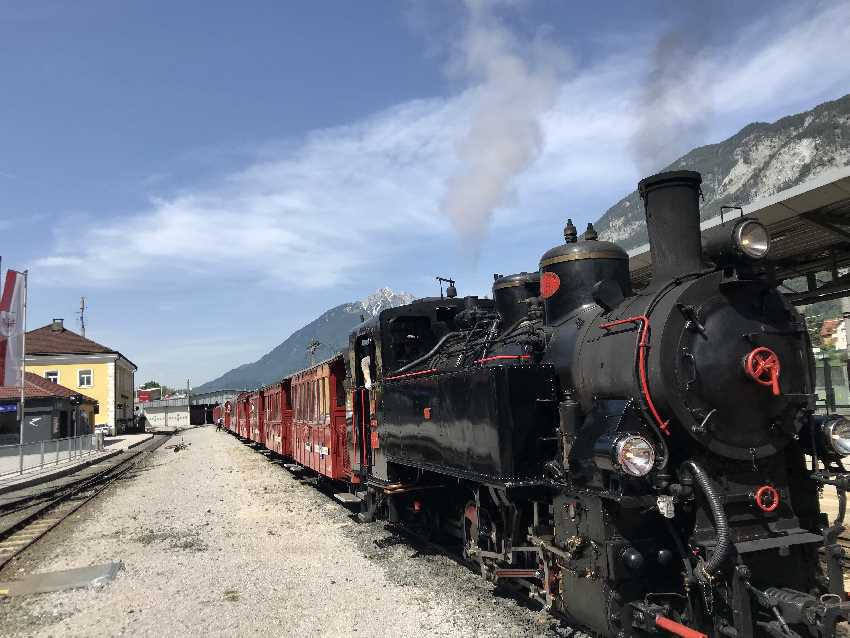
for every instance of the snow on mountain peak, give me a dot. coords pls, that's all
(384, 298)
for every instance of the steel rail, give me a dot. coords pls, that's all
(24, 533)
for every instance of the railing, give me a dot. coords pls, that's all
(30, 457)
(832, 387)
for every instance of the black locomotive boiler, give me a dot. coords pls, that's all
(641, 461)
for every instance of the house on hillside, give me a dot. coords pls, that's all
(51, 411)
(64, 357)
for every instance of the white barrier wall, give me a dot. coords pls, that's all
(167, 418)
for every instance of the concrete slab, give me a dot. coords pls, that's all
(347, 498)
(93, 576)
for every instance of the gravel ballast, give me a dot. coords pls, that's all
(217, 540)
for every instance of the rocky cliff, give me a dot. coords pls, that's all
(759, 160)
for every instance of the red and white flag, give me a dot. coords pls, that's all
(12, 305)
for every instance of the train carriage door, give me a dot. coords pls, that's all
(364, 374)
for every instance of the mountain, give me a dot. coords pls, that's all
(760, 160)
(331, 330)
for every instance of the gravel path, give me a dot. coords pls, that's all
(219, 541)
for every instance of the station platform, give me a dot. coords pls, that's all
(112, 446)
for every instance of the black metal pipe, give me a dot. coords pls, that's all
(721, 525)
(671, 201)
(425, 356)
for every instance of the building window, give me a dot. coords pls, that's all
(52, 376)
(84, 378)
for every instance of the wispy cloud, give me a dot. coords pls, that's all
(351, 199)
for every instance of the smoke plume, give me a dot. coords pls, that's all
(516, 82)
(674, 107)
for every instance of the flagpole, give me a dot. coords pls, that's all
(23, 365)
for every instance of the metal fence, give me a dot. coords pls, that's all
(17, 459)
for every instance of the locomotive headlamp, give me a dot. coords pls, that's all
(836, 431)
(752, 239)
(827, 437)
(625, 452)
(734, 241)
(634, 455)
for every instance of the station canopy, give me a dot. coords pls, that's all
(809, 228)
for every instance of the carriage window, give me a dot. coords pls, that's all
(340, 391)
(297, 402)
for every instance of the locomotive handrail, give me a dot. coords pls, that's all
(643, 345)
(410, 374)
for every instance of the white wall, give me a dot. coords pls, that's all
(167, 418)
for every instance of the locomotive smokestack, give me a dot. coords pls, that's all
(671, 201)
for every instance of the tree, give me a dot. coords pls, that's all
(166, 390)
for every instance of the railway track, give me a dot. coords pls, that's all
(25, 520)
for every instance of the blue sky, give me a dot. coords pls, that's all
(213, 175)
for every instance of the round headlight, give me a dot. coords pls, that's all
(837, 434)
(752, 239)
(635, 455)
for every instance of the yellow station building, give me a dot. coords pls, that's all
(71, 360)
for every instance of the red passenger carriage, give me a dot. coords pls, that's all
(302, 417)
(243, 413)
(256, 419)
(318, 422)
(227, 413)
(277, 418)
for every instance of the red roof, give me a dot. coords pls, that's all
(49, 340)
(40, 388)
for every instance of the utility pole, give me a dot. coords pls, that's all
(311, 349)
(83, 316)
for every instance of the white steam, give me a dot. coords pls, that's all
(675, 104)
(517, 82)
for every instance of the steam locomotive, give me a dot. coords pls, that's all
(640, 461)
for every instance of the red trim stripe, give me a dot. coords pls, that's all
(500, 357)
(677, 629)
(410, 374)
(643, 346)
